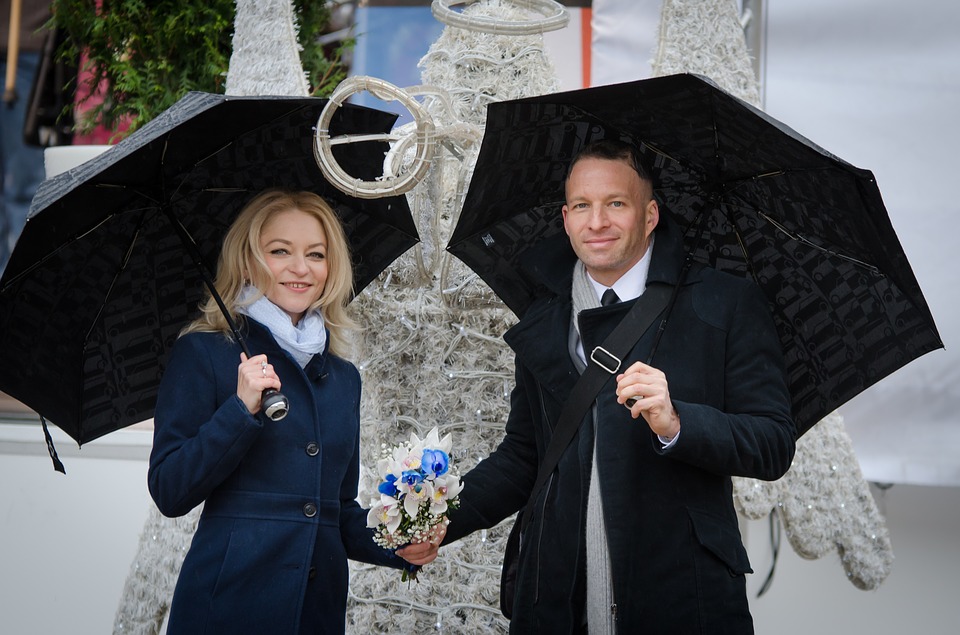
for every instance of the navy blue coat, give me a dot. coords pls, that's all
(280, 517)
(678, 562)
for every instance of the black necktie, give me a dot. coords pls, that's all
(609, 297)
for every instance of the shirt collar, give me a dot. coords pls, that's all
(631, 284)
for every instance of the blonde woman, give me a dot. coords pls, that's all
(280, 516)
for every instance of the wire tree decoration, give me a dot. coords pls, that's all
(431, 353)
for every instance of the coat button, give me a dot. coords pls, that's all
(312, 449)
(312, 573)
(309, 510)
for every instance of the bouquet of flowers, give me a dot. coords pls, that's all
(419, 485)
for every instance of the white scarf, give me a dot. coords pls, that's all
(302, 341)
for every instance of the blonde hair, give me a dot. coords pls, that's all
(241, 262)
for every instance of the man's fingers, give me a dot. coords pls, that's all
(419, 553)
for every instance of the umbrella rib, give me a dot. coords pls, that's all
(113, 282)
(213, 153)
(96, 318)
(743, 249)
(801, 239)
(663, 153)
(54, 252)
(136, 191)
(793, 235)
(182, 180)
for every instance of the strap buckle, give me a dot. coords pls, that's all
(610, 363)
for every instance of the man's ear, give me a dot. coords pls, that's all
(563, 212)
(653, 214)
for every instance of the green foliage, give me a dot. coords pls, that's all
(324, 69)
(150, 53)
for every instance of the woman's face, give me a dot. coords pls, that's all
(294, 246)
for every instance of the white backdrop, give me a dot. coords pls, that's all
(876, 82)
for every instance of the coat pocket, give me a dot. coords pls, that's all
(716, 535)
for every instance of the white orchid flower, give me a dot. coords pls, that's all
(415, 496)
(446, 488)
(385, 512)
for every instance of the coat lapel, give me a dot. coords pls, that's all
(540, 343)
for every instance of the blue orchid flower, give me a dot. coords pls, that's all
(413, 479)
(388, 486)
(435, 462)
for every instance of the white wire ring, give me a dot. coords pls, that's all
(403, 138)
(555, 17)
(386, 185)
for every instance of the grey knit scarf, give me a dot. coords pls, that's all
(599, 580)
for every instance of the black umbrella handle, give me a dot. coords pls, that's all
(274, 404)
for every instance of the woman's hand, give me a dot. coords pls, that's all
(255, 375)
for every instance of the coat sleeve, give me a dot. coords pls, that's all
(201, 433)
(753, 434)
(500, 484)
(356, 536)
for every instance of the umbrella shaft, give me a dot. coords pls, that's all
(191, 246)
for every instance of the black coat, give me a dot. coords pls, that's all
(280, 515)
(678, 562)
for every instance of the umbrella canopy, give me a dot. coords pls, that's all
(101, 282)
(755, 199)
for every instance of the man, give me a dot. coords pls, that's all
(635, 531)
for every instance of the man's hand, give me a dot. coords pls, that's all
(421, 553)
(648, 386)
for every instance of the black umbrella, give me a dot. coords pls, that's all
(755, 198)
(103, 276)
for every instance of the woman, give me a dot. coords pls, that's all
(280, 516)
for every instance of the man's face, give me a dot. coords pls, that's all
(609, 216)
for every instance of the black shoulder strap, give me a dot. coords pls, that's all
(603, 361)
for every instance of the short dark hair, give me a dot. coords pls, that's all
(613, 150)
